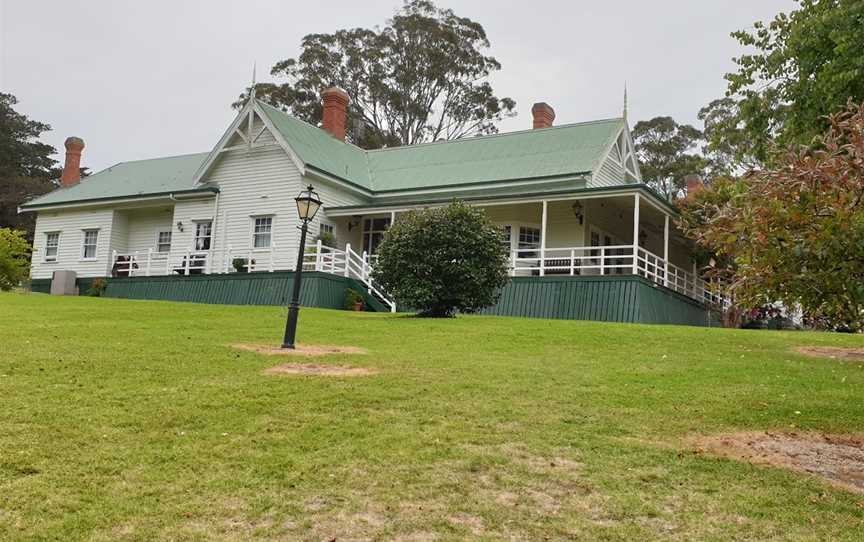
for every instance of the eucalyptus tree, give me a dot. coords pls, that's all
(422, 77)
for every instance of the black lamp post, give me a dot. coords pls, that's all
(308, 204)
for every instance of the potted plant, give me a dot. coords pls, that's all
(327, 239)
(354, 300)
(239, 265)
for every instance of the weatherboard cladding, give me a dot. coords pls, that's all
(570, 150)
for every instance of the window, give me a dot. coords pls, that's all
(88, 249)
(373, 233)
(163, 241)
(261, 232)
(529, 241)
(52, 243)
(325, 229)
(202, 235)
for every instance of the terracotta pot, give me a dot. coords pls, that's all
(358, 307)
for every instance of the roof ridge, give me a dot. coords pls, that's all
(486, 136)
(491, 136)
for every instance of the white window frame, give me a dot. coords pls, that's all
(170, 233)
(252, 233)
(195, 237)
(330, 228)
(514, 233)
(85, 245)
(46, 258)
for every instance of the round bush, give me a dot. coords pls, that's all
(442, 261)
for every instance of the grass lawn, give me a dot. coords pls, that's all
(132, 420)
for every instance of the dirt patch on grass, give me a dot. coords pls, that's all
(832, 352)
(304, 350)
(839, 459)
(318, 370)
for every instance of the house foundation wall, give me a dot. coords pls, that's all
(625, 299)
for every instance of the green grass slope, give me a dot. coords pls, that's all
(132, 420)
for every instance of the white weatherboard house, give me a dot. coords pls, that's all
(569, 198)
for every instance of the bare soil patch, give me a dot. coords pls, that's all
(304, 350)
(319, 370)
(833, 352)
(839, 459)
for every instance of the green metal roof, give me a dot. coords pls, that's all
(557, 152)
(569, 149)
(130, 179)
(319, 149)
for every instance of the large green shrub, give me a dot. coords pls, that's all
(14, 258)
(442, 261)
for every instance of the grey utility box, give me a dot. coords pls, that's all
(63, 283)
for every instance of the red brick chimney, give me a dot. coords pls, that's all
(335, 101)
(543, 115)
(72, 168)
(694, 184)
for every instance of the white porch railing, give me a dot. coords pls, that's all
(585, 260)
(613, 260)
(151, 263)
(249, 260)
(346, 263)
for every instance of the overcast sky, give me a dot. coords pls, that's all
(144, 79)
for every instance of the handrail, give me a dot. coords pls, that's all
(580, 260)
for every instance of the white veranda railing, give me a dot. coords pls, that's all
(347, 263)
(584, 260)
(613, 260)
(152, 263)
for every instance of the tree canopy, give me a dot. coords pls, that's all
(14, 258)
(442, 261)
(422, 77)
(794, 233)
(26, 167)
(804, 66)
(667, 153)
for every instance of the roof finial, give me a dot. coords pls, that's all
(252, 88)
(625, 100)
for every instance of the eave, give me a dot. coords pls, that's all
(202, 191)
(527, 197)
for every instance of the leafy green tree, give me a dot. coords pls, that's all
(14, 258)
(422, 77)
(805, 66)
(794, 233)
(26, 167)
(442, 261)
(667, 154)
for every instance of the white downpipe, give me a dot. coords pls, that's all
(149, 259)
(636, 234)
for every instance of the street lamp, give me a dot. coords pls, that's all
(308, 204)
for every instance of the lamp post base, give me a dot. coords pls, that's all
(291, 325)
